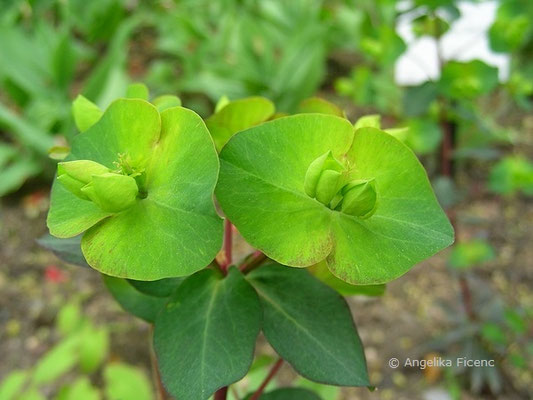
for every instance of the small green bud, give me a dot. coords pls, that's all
(323, 178)
(112, 192)
(74, 175)
(360, 199)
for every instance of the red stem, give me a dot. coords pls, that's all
(228, 244)
(273, 371)
(221, 393)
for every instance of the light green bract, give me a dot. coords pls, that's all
(140, 184)
(390, 219)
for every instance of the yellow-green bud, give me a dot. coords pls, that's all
(323, 178)
(112, 192)
(359, 198)
(74, 175)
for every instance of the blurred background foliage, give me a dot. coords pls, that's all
(469, 122)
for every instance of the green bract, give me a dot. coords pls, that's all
(262, 189)
(140, 184)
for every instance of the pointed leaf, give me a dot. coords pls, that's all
(205, 337)
(310, 326)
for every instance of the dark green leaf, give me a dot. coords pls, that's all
(137, 303)
(288, 394)
(68, 250)
(159, 288)
(205, 336)
(310, 326)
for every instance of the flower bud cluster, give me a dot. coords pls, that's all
(325, 181)
(112, 192)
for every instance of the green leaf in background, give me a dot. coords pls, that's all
(493, 333)
(31, 394)
(94, 347)
(68, 250)
(512, 174)
(85, 113)
(467, 80)
(288, 394)
(133, 301)
(429, 25)
(511, 27)
(468, 254)
(418, 99)
(159, 288)
(58, 361)
(423, 135)
(166, 101)
(12, 384)
(320, 106)
(174, 161)
(273, 212)
(80, 389)
(69, 318)
(310, 326)
(125, 382)
(236, 116)
(205, 336)
(137, 91)
(368, 121)
(321, 272)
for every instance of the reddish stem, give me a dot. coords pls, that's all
(253, 261)
(228, 244)
(221, 393)
(275, 368)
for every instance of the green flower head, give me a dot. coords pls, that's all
(310, 188)
(139, 184)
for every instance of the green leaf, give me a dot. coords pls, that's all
(80, 389)
(236, 116)
(423, 136)
(261, 190)
(94, 346)
(467, 80)
(125, 382)
(512, 174)
(321, 106)
(166, 101)
(58, 361)
(468, 254)
(137, 91)
(12, 384)
(299, 313)
(159, 288)
(85, 113)
(321, 272)
(205, 336)
(68, 250)
(288, 394)
(417, 99)
(69, 318)
(175, 165)
(368, 121)
(133, 301)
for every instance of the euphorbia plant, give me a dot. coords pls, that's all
(306, 190)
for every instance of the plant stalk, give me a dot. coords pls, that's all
(273, 371)
(228, 245)
(252, 262)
